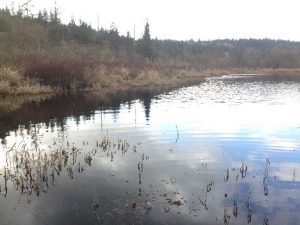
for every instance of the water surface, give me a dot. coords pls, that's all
(222, 152)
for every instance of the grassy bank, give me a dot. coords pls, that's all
(13, 83)
(41, 76)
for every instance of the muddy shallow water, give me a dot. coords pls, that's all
(226, 151)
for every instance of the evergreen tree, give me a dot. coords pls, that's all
(147, 50)
(114, 38)
(45, 15)
(42, 18)
(56, 30)
(129, 45)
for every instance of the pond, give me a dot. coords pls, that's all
(226, 151)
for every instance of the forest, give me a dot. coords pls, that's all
(39, 53)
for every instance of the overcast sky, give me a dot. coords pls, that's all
(189, 19)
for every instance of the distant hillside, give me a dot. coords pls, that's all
(22, 34)
(246, 53)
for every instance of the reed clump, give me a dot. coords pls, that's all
(12, 83)
(109, 76)
(30, 169)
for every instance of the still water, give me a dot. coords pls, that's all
(226, 151)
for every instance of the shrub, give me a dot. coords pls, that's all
(65, 73)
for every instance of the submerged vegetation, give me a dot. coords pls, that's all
(42, 54)
(31, 169)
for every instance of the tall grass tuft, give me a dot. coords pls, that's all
(13, 83)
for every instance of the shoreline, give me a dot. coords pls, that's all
(146, 78)
(148, 81)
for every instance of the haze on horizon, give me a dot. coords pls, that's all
(184, 20)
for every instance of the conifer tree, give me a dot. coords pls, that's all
(147, 50)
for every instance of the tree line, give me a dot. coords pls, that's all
(22, 33)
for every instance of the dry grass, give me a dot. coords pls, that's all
(48, 74)
(101, 77)
(280, 72)
(122, 76)
(109, 77)
(12, 83)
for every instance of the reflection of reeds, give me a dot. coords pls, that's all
(177, 137)
(294, 175)
(235, 209)
(249, 211)
(226, 177)
(207, 190)
(226, 216)
(266, 189)
(266, 221)
(243, 170)
(31, 169)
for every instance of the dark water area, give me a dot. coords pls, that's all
(226, 151)
(55, 110)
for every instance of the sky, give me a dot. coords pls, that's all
(185, 20)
